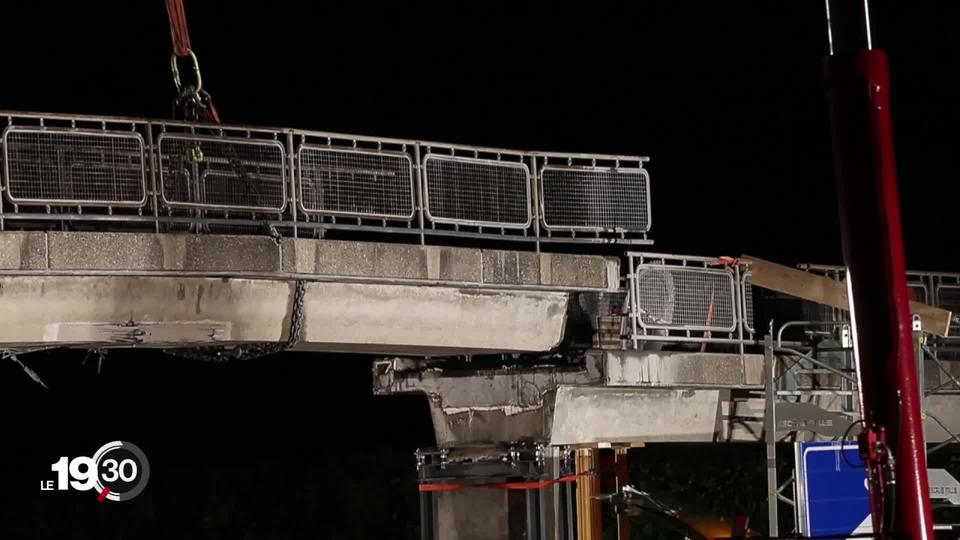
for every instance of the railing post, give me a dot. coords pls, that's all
(770, 435)
(294, 182)
(634, 298)
(153, 161)
(535, 199)
(418, 187)
(738, 313)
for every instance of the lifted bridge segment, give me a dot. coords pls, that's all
(89, 289)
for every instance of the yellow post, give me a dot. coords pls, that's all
(589, 526)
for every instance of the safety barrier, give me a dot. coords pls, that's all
(74, 166)
(173, 176)
(222, 173)
(595, 198)
(677, 298)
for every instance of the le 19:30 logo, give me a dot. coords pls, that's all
(118, 471)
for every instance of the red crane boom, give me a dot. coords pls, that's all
(892, 442)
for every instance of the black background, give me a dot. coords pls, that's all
(726, 97)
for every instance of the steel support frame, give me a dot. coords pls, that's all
(770, 435)
(771, 394)
(522, 463)
(772, 349)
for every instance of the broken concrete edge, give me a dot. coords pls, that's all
(555, 406)
(134, 253)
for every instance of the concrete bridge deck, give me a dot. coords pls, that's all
(88, 289)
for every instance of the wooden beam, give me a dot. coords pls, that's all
(831, 292)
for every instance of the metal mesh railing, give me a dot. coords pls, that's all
(595, 198)
(948, 297)
(60, 169)
(681, 298)
(478, 192)
(222, 173)
(917, 285)
(747, 295)
(61, 166)
(355, 182)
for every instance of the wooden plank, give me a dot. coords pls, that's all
(830, 292)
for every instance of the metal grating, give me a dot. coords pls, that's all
(948, 297)
(222, 173)
(748, 303)
(480, 192)
(683, 298)
(595, 198)
(354, 182)
(64, 166)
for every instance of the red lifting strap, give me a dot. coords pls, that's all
(178, 27)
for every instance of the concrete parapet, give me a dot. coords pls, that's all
(332, 259)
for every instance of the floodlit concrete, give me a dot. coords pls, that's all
(488, 407)
(393, 319)
(357, 317)
(605, 414)
(243, 256)
(615, 396)
(74, 310)
(142, 289)
(690, 369)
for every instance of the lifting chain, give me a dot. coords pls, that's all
(193, 103)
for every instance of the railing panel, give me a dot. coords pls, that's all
(355, 182)
(211, 178)
(591, 198)
(747, 295)
(948, 297)
(477, 192)
(63, 166)
(672, 297)
(222, 173)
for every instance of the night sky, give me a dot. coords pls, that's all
(727, 99)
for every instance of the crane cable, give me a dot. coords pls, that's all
(193, 103)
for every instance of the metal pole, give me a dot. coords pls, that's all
(859, 89)
(632, 287)
(151, 159)
(921, 374)
(533, 521)
(418, 189)
(426, 515)
(770, 435)
(621, 464)
(535, 203)
(571, 514)
(292, 200)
